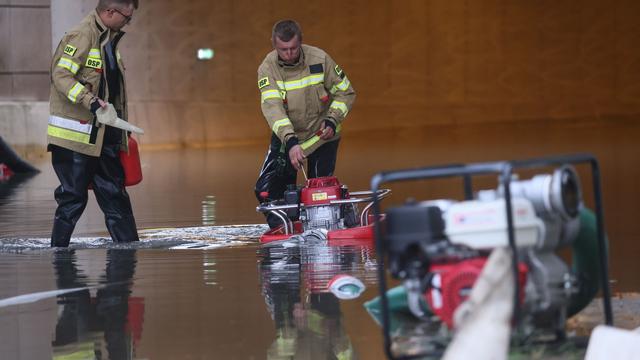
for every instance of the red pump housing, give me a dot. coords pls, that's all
(320, 191)
(451, 285)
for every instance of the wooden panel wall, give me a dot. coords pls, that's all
(413, 62)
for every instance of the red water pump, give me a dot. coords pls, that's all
(323, 204)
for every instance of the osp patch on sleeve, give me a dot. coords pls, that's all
(94, 63)
(70, 49)
(263, 82)
(339, 71)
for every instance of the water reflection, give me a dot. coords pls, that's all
(209, 268)
(12, 184)
(307, 317)
(209, 210)
(107, 325)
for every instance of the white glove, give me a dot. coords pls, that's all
(109, 117)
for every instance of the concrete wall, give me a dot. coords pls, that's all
(66, 14)
(25, 33)
(413, 62)
(24, 123)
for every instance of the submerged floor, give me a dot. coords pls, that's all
(170, 303)
(206, 292)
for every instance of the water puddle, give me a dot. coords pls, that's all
(203, 238)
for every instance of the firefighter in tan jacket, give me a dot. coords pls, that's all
(305, 97)
(86, 74)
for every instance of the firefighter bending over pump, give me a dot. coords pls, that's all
(305, 97)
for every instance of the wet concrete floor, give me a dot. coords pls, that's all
(196, 294)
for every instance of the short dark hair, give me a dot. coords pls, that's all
(106, 4)
(285, 30)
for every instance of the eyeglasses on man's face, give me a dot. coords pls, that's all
(128, 18)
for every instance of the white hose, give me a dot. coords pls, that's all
(483, 321)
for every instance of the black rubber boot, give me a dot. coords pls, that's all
(61, 233)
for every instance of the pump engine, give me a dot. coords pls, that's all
(318, 212)
(322, 204)
(438, 248)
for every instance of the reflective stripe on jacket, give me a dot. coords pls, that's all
(296, 99)
(78, 73)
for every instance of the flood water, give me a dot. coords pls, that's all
(183, 304)
(176, 296)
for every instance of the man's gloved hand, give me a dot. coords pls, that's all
(108, 116)
(296, 155)
(97, 103)
(328, 129)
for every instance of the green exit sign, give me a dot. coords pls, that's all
(205, 54)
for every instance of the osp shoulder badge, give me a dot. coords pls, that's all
(70, 49)
(94, 63)
(339, 71)
(263, 82)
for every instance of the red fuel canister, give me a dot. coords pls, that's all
(131, 164)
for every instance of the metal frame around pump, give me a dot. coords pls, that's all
(504, 169)
(355, 197)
